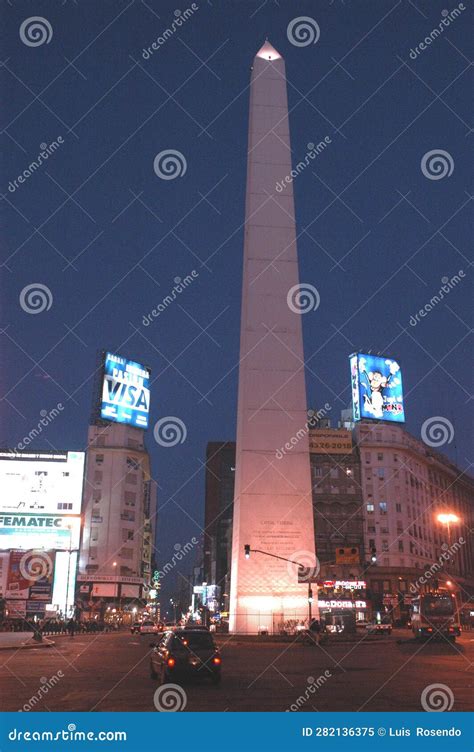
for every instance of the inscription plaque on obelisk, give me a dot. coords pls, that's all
(273, 503)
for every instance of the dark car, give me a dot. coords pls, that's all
(135, 627)
(185, 654)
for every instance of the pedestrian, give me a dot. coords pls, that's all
(315, 629)
(71, 627)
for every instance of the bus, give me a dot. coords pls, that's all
(435, 614)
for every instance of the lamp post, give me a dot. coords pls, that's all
(66, 607)
(448, 519)
(300, 566)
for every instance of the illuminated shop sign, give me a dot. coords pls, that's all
(342, 604)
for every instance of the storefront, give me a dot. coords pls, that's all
(342, 604)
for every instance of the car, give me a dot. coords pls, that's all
(196, 628)
(135, 627)
(185, 654)
(148, 627)
(376, 628)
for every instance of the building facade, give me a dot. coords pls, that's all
(119, 518)
(406, 486)
(337, 495)
(219, 499)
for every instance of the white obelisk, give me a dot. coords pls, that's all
(273, 508)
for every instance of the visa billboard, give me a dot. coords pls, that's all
(377, 388)
(125, 391)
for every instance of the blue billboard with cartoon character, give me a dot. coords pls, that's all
(377, 389)
(125, 391)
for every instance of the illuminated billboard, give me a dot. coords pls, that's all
(41, 497)
(39, 531)
(377, 389)
(125, 391)
(41, 482)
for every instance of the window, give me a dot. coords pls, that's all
(100, 441)
(381, 472)
(131, 478)
(99, 458)
(97, 476)
(133, 463)
(371, 543)
(126, 553)
(400, 546)
(380, 456)
(370, 508)
(317, 472)
(127, 535)
(398, 508)
(385, 545)
(334, 472)
(395, 457)
(93, 552)
(94, 534)
(383, 507)
(384, 530)
(130, 498)
(367, 457)
(128, 515)
(371, 528)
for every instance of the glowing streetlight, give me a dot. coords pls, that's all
(447, 519)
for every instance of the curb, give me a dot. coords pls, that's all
(28, 645)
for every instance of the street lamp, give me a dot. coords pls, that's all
(448, 519)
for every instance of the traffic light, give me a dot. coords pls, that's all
(373, 555)
(247, 551)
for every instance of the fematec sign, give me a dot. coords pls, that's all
(334, 441)
(39, 531)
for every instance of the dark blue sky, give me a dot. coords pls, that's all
(97, 203)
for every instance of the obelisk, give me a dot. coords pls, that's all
(273, 508)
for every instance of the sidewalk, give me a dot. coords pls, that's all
(21, 641)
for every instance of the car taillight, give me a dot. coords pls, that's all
(429, 629)
(216, 660)
(171, 662)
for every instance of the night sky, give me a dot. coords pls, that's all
(108, 237)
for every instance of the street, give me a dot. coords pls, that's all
(110, 672)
